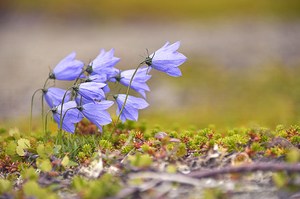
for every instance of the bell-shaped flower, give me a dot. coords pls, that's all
(54, 96)
(138, 82)
(104, 63)
(68, 69)
(81, 100)
(97, 112)
(90, 90)
(167, 59)
(130, 110)
(99, 79)
(70, 113)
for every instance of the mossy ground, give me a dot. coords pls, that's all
(118, 162)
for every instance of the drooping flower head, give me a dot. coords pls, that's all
(54, 96)
(167, 59)
(133, 104)
(90, 90)
(68, 69)
(138, 82)
(70, 114)
(104, 63)
(99, 79)
(97, 112)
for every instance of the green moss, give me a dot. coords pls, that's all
(293, 156)
(32, 189)
(29, 174)
(234, 142)
(257, 147)
(181, 151)
(105, 144)
(140, 160)
(295, 140)
(5, 186)
(105, 186)
(87, 149)
(126, 149)
(137, 150)
(214, 193)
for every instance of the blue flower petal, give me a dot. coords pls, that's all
(133, 104)
(68, 68)
(167, 59)
(139, 81)
(97, 114)
(54, 96)
(104, 62)
(92, 90)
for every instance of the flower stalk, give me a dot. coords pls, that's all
(91, 88)
(128, 89)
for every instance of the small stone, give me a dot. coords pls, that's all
(161, 135)
(174, 140)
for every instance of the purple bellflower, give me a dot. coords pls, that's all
(81, 100)
(54, 96)
(97, 112)
(139, 80)
(104, 63)
(68, 69)
(99, 79)
(71, 116)
(90, 90)
(167, 59)
(133, 104)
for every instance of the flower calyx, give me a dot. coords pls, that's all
(148, 61)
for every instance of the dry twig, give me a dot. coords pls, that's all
(274, 167)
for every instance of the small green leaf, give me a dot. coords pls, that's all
(14, 133)
(40, 149)
(24, 143)
(11, 148)
(20, 151)
(139, 160)
(31, 188)
(65, 161)
(29, 173)
(44, 165)
(171, 168)
(48, 149)
(72, 163)
(57, 149)
(293, 156)
(181, 150)
(78, 183)
(5, 186)
(280, 179)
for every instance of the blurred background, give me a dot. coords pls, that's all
(243, 56)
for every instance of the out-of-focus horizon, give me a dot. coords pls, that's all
(243, 56)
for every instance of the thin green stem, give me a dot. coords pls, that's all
(61, 110)
(43, 110)
(66, 112)
(31, 107)
(46, 124)
(128, 89)
(82, 72)
(45, 84)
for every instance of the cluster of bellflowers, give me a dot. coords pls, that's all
(88, 96)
